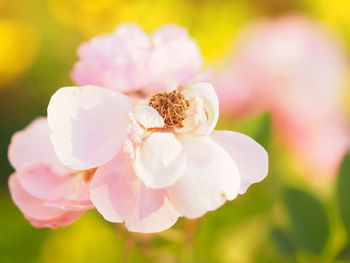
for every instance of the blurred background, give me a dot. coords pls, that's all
(282, 71)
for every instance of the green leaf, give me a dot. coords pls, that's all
(258, 127)
(263, 134)
(343, 192)
(344, 254)
(283, 241)
(309, 221)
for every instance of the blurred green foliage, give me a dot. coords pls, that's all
(283, 242)
(343, 187)
(309, 222)
(19, 241)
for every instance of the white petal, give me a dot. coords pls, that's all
(160, 161)
(250, 158)
(206, 92)
(210, 178)
(88, 125)
(148, 117)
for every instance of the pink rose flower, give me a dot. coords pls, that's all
(130, 61)
(293, 69)
(47, 193)
(158, 158)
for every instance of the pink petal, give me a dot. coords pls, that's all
(251, 159)
(167, 34)
(133, 35)
(70, 205)
(238, 90)
(319, 144)
(285, 60)
(42, 182)
(130, 61)
(114, 61)
(88, 125)
(175, 56)
(34, 208)
(119, 196)
(160, 161)
(210, 178)
(65, 219)
(32, 145)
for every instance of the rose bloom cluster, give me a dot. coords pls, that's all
(135, 139)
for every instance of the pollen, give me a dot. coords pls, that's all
(171, 106)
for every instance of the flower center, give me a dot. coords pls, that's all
(171, 106)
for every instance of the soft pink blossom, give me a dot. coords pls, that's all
(152, 167)
(295, 70)
(46, 192)
(131, 61)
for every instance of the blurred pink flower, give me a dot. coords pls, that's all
(130, 61)
(293, 69)
(158, 158)
(47, 193)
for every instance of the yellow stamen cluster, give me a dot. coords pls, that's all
(171, 106)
